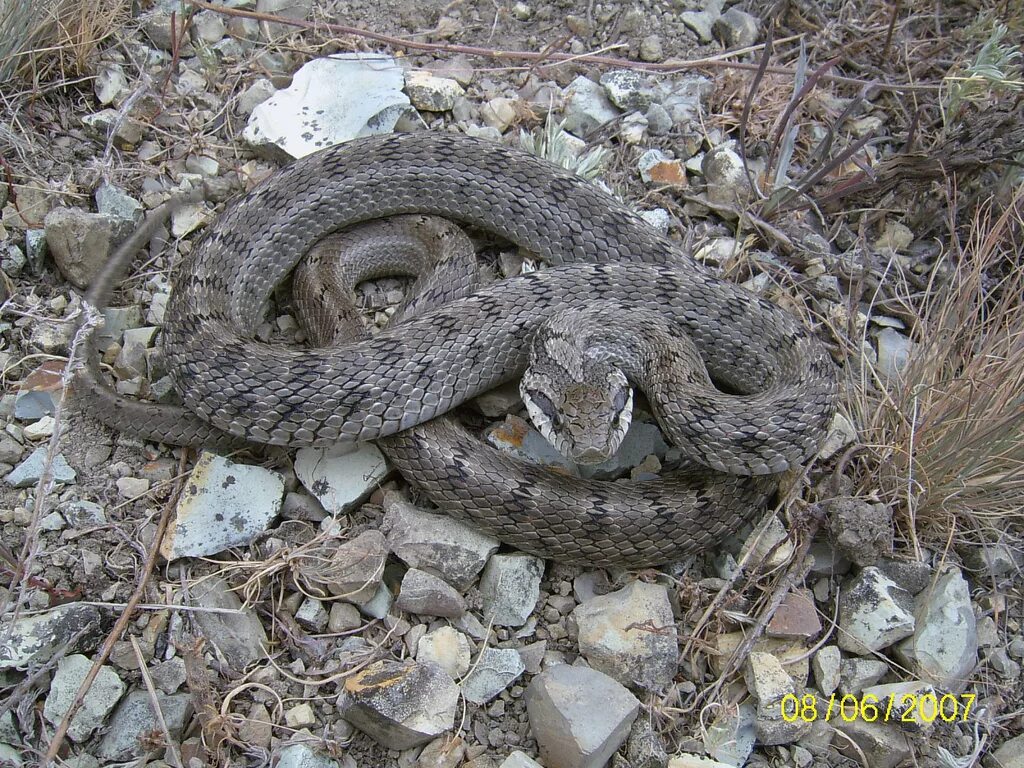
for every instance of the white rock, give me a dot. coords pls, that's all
(31, 469)
(768, 681)
(493, 672)
(331, 100)
(511, 587)
(446, 647)
(431, 93)
(224, 504)
(894, 352)
(587, 106)
(35, 639)
(826, 668)
(874, 612)
(341, 476)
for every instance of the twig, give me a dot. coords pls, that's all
(119, 626)
(175, 758)
(672, 65)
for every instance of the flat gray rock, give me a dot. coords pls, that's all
(447, 648)
(493, 671)
(579, 716)
(586, 107)
(303, 756)
(427, 595)
(134, 717)
(35, 639)
(874, 613)
(401, 705)
(511, 587)
(80, 242)
(224, 505)
(104, 693)
(630, 635)
(435, 543)
(235, 632)
(31, 469)
(342, 476)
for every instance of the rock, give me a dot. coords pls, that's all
(312, 615)
(630, 635)
(881, 745)
(132, 487)
(944, 647)
(102, 696)
(644, 747)
(771, 544)
(355, 570)
(726, 176)
(894, 352)
(331, 100)
(768, 681)
(238, 637)
(730, 737)
(300, 716)
(796, 617)
(401, 705)
(688, 760)
(874, 613)
(435, 543)
(35, 639)
(913, 705)
(447, 648)
(111, 84)
(643, 439)
(208, 27)
(168, 675)
(912, 575)
(701, 22)
(586, 107)
(792, 655)
(302, 755)
(81, 242)
(343, 617)
(737, 29)
(519, 759)
(841, 433)
(29, 471)
(857, 674)
(254, 95)
(494, 670)
(431, 93)
(288, 9)
(39, 392)
(659, 121)
(510, 587)
(38, 430)
(378, 606)
(627, 89)
(499, 113)
(427, 595)
(1009, 754)
(134, 717)
(445, 752)
(119, 205)
(572, 732)
(189, 217)
(81, 514)
(224, 505)
(658, 168)
(995, 559)
(896, 237)
(516, 437)
(342, 476)
(651, 49)
(826, 664)
(659, 219)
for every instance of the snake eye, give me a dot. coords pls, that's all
(545, 406)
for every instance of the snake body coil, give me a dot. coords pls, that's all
(232, 385)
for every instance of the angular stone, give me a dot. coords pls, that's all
(768, 681)
(401, 705)
(644, 747)
(224, 505)
(435, 543)
(1010, 753)
(80, 242)
(627, 89)
(578, 716)
(493, 672)
(355, 570)
(511, 587)
(331, 100)
(134, 717)
(630, 635)
(431, 93)
(861, 531)
(31, 469)
(737, 28)
(796, 617)
(425, 594)
(912, 705)
(726, 176)
(586, 107)
(342, 476)
(519, 759)
(102, 696)
(447, 648)
(792, 655)
(238, 636)
(826, 664)
(944, 647)
(35, 639)
(302, 755)
(874, 613)
(312, 615)
(883, 745)
(857, 674)
(344, 617)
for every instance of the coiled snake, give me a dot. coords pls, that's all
(780, 381)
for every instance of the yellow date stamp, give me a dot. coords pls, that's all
(897, 707)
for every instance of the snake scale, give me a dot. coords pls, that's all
(780, 384)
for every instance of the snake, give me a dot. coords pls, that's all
(760, 406)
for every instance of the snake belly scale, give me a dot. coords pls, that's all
(234, 387)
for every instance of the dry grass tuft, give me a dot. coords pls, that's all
(45, 39)
(946, 441)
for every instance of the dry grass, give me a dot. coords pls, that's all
(945, 441)
(45, 39)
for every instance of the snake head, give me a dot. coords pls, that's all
(582, 406)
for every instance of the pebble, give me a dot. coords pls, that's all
(826, 665)
(312, 615)
(944, 647)
(796, 617)
(103, 694)
(81, 242)
(726, 177)
(38, 430)
(627, 89)
(658, 168)
(771, 545)
(1010, 754)
(768, 681)
(874, 613)
(431, 93)
(331, 100)
(234, 632)
(356, 569)
(630, 635)
(341, 477)
(257, 93)
(302, 755)
(572, 732)
(300, 716)
(586, 107)
(343, 617)
(510, 587)
(437, 543)
(224, 504)
(401, 705)
(881, 745)
(492, 672)
(644, 747)
(737, 28)
(29, 471)
(519, 759)
(894, 352)
(447, 648)
(651, 49)
(425, 594)
(856, 674)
